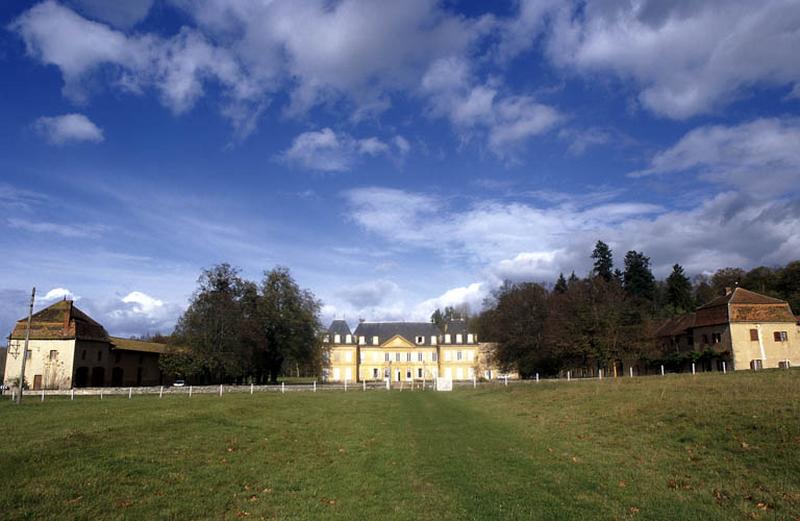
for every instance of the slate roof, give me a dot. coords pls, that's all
(61, 321)
(408, 330)
(456, 327)
(339, 327)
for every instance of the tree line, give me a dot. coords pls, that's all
(237, 330)
(609, 315)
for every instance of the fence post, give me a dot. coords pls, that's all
(101, 394)
(474, 382)
(42, 394)
(161, 392)
(72, 394)
(388, 385)
(251, 387)
(537, 377)
(630, 370)
(662, 369)
(345, 385)
(569, 375)
(364, 385)
(600, 374)
(190, 391)
(724, 367)
(315, 386)
(220, 390)
(130, 392)
(693, 368)
(14, 395)
(506, 378)
(283, 387)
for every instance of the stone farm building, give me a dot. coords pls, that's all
(405, 352)
(744, 329)
(67, 348)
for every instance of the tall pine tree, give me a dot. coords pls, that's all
(679, 290)
(603, 261)
(637, 278)
(561, 284)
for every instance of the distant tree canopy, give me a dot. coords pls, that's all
(235, 329)
(595, 321)
(440, 318)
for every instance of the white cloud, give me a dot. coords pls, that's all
(177, 67)
(328, 151)
(135, 314)
(686, 58)
(58, 294)
(472, 296)
(120, 13)
(761, 156)
(369, 294)
(69, 128)
(64, 230)
(505, 121)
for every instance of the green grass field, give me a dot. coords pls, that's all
(679, 447)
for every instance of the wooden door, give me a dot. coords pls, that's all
(37, 382)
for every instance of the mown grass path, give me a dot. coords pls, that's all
(708, 447)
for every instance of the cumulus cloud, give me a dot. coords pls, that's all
(69, 128)
(121, 13)
(58, 294)
(327, 151)
(135, 314)
(176, 67)
(370, 293)
(505, 121)
(761, 156)
(533, 242)
(686, 58)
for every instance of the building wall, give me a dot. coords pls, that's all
(54, 370)
(134, 368)
(458, 361)
(766, 348)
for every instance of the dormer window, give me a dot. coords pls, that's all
(337, 339)
(362, 340)
(420, 340)
(459, 338)
(349, 339)
(447, 338)
(433, 340)
(375, 340)
(470, 338)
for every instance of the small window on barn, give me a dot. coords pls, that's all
(716, 338)
(28, 354)
(99, 356)
(83, 355)
(781, 336)
(117, 357)
(53, 354)
(754, 335)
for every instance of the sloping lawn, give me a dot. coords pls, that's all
(677, 447)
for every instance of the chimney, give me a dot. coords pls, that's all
(728, 291)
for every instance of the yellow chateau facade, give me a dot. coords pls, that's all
(404, 352)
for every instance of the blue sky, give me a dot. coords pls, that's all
(395, 156)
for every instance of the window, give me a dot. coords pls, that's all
(419, 373)
(362, 355)
(375, 372)
(326, 339)
(386, 373)
(470, 338)
(447, 339)
(458, 355)
(362, 340)
(780, 336)
(337, 339)
(99, 356)
(434, 357)
(349, 339)
(433, 340)
(447, 356)
(386, 357)
(397, 357)
(459, 339)
(375, 340)
(420, 340)
(755, 365)
(716, 338)
(53, 354)
(754, 335)
(348, 356)
(408, 374)
(419, 357)
(28, 354)
(408, 357)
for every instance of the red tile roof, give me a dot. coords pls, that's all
(60, 321)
